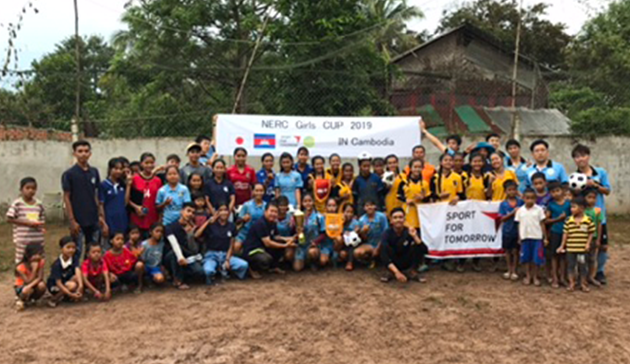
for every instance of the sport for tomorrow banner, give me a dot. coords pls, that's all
(346, 136)
(468, 229)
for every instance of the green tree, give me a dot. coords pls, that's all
(541, 39)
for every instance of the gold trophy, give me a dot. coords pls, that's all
(298, 215)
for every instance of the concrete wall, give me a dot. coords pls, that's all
(46, 161)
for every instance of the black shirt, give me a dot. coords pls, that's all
(219, 192)
(261, 229)
(58, 272)
(181, 235)
(394, 245)
(83, 187)
(219, 237)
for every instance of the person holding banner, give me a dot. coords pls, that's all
(288, 182)
(343, 190)
(477, 183)
(319, 184)
(401, 250)
(334, 172)
(447, 185)
(242, 176)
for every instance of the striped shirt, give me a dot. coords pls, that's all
(25, 235)
(577, 233)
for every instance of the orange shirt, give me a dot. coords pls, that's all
(427, 172)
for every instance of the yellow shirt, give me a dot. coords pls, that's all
(410, 190)
(452, 184)
(476, 186)
(334, 178)
(498, 192)
(391, 199)
(345, 190)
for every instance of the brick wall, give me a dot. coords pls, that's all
(25, 133)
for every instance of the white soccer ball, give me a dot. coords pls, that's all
(577, 181)
(352, 239)
(388, 178)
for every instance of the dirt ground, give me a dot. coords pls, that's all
(332, 317)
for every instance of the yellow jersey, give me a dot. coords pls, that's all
(498, 192)
(442, 183)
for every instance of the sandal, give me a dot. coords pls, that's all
(537, 282)
(507, 275)
(514, 277)
(585, 289)
(349, 267)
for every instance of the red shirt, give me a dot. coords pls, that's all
(243, 183)
(148, 189)
(121, 263)
(91, 270)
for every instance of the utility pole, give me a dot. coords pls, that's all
(516, 120)
(77, 56)
(241, 89)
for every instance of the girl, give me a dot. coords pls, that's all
(243, 177)
(350, 224)
(219, 189)
(378, 166)
(286, 223)
(373, 225)
(202, 212)
(477, 183)
(334, 172)
(458, 163)
(196, 183)
(65, 275)
(152, 254)
(302, 166)
(172, 196)
(391, 198)
(319, 184)
(126, 175)
(412, 191)
(142, 194)
(96, 274)
(314, 235)
(267, 177)
(134, 244)
(29, 276)
(288, 182)
(517, 163)
(333, 221)
(252, 211)
(124, 267)
(113, 197)
(27, 216)
(499, 175)
(343, 190)
(447, 185)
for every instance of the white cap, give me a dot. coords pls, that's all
(364, 155)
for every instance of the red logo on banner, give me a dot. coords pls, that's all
(239, 141)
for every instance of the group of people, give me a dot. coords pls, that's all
(206, 221)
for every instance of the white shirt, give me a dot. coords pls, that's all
(529, 222)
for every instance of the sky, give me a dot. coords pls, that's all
(55, 20)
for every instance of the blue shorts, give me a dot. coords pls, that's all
(301, 252)
(510, 242)
(327, 247)
(153, 271)
(532, 251)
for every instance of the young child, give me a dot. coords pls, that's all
(319, 184)
(286, 223)
(350, 224)
(333, 226)
(95, 274)
(378, 166)
(288, 182)
(314, 234)
(266, 176)
(367, 185)
(532, 232)
(576, 242)
(373, 224)
(507, 210)
(27, 216)
(172, 197)
(123, 265)
(202, 212)
(65, 275)
(134, 242)
(171, 160)
(539, 182)
(135, 167)
(252, 211)
(153, 253)
(595, 214)
(558, 210)
(143, 192)
(29, 276)
(113, 197)
(343, 190)
(459, 160)
(477, 184)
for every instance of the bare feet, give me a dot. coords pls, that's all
(254, 274)
(349, 266)
(527, 281)
(277, 271)
(536, 282)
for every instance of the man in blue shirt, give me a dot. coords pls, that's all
(553, 171)
(597, 179)
(367, 186)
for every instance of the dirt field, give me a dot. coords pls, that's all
(332, 317)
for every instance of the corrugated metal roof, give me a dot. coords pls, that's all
(547, 122)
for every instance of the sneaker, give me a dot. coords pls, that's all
(19, 305)
(423, 268)
(601, 278)
(460, 268)
(387, 277)
(506, 275)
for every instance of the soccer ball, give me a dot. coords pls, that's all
(352, 239)
(388, 178)
(577, 181)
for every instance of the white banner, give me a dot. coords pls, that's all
(346, 136)
(468, 229)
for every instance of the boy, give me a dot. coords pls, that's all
(558, 210)
(453, 142)
(576, 242)
(96, 274)
(401, 250)
(595, 214)
(28, 219)
(367, 185)
(378, 166)
(171, 160)
(507, 211)
(531, 230)
(124, 266)
(494, 139)
(193, 151)
(179, 236)
(373, 225)
(65, 275)
(80, 195)
(539, 182)
(208, 154)
(598, 179)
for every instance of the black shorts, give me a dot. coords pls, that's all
(604, 239)
(128, 278)
(510, 243)
(555, 241)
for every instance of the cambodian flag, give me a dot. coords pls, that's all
(264, 141)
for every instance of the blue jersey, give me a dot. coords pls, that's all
(270, 193)
(288, 183)
(553, 171)
(600, 176)
(314, 226)
(178, 195)
(352, 226)
(286, 226)
(520, 171)
(556, 210)
(308, 170)
(378, 224)
(509, 229)
(255, 212)
(112, 196)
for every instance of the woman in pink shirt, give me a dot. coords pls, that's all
(242, 176)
